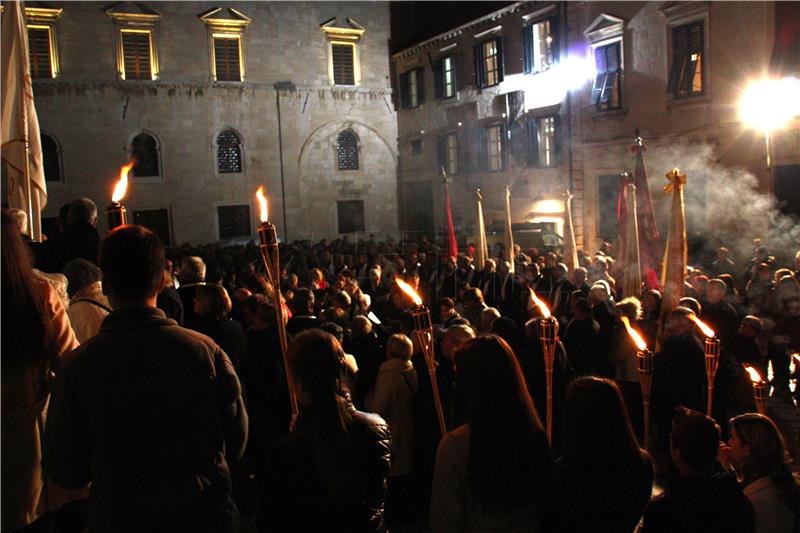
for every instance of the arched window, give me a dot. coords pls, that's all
(144, 149)
(51, 156)
(348, 150)
(229, 153)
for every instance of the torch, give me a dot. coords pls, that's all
(760, 389)
(644, 367)
(548, 334)
(423, 328)
(712, 356)
(116, 212)
(268, 245)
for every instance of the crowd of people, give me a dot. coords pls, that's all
(152, 381)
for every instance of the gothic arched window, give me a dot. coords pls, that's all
(347, 150)
(229, 153)
(144, 149)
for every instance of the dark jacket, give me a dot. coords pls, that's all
(147, 412)
(79, 241)
(293, 498)
(580, 340)
(170, 302)
(187, 293)
(700, 505)
(229, 335)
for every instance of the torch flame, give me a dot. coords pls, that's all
(406, 288)
(540, 304)
(122, 185)
(707, 331)
(262, 204)
(637, 339)
(755, 377)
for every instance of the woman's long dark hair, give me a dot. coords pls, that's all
(596, 429)
(510, 464)
(317, 362)
(767, 456)
(26, 337)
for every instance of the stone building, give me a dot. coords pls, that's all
(214, 100)
(545, 96)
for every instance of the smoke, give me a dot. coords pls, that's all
(723, 206)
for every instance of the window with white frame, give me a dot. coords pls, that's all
(447, 153)
(412, 88)
(444, 71)
(686, 73)
(494, 147)
(543, 141)
(539, 46)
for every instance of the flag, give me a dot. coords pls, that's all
(631, 268)
(646, 218)
(508, 239)
(21, 142)
(452, 244)
(673, 274)
(570, 248)
(480, 237)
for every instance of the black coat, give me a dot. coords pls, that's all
(293, 497)
(580, 340)
(79, 241)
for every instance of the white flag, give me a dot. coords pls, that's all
(509, 235)
(480, 239)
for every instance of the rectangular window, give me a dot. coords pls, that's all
(538, 46)
(448, 77)
(351, 216)
(686, 73)
(447, 153)
(136, 55)
(39, 46)
(607, 90)
(416, 147)
(413, 93)
(494, 148)
(543, 141)
(489, 62)
(412, 89)
(156, 220)
(343, 63)
(227, 58)
(234, 221)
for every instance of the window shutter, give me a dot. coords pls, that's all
(675, 72)
(343, 72)
(498, 42)
(533, 142)
(441, 153)
(557, 139)
(695, 37)
(136, 55)
(556, 42)
(601, 66)
(480, 72)
(527, 49)
(226, 59)
(688, 77)
(420, 73)
(405, 91)
(483, 149)
(39, 44)
(613, 62)
(438, 79)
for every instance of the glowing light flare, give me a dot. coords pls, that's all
(755, 377)
(540, 304)
(707, 331)
(406, 288)
(637, 339)
(770, 104)
(262, 204)
(551, 86)
(122, 185)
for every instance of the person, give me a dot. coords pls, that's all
(212, 306)
(79, 239)
(192, 274)
(756, 451)
(581, 336)
(88, 305)
(600, 455)
(495, 472)
(169, 299)
(393, 398)
(626, 363)
(36, 334)
(700, 500)
(331, 470)
(148, 412)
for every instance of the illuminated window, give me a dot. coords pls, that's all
(343, 63)
(226, 27)
(227, 58)
(607, 90)
(538, 46)
(447, 153)
(493, 150)
(137, 55)
(347, 155)
(412, 88)
(343, 58)
(686, 73)
(489, 62)
(229, 153)
(544, 141)
(444, 77)
(145, 152)
(42, 49)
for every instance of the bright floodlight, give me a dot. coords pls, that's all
(770, 104)
(551, 86)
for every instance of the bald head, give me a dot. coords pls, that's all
(454, 338)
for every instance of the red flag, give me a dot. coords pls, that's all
(648, 231)
(452, 244)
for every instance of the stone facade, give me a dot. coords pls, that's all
(738, 41)
(94, 116)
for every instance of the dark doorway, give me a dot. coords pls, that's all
(607, 192)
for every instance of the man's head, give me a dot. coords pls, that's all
(579, 276)
(193, 270)
(132, 261)
(82, 211)
(559, 271)
(679, 322)
(715, 291)
(750, 326)
(447, 307)
(694, 442)
(722, 253)
(303, 302)
(454, 337)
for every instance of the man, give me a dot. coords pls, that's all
(79, 239)
(192, 273)
(580, 337)
(147, 412)
(722, 264)
(302, 307)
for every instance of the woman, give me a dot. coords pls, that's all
(212, 305)
(35, 334)
(600, 456)
(330, 472)
(495, 472)
(756, 451)
(88, 305)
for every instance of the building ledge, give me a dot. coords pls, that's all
(692, 101)
(613, 114)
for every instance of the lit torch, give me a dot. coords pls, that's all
(423, 328)
(712, 356)
(548, 335)
(644, 366)
(760, 389)
(116, 212)
(268, 245)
